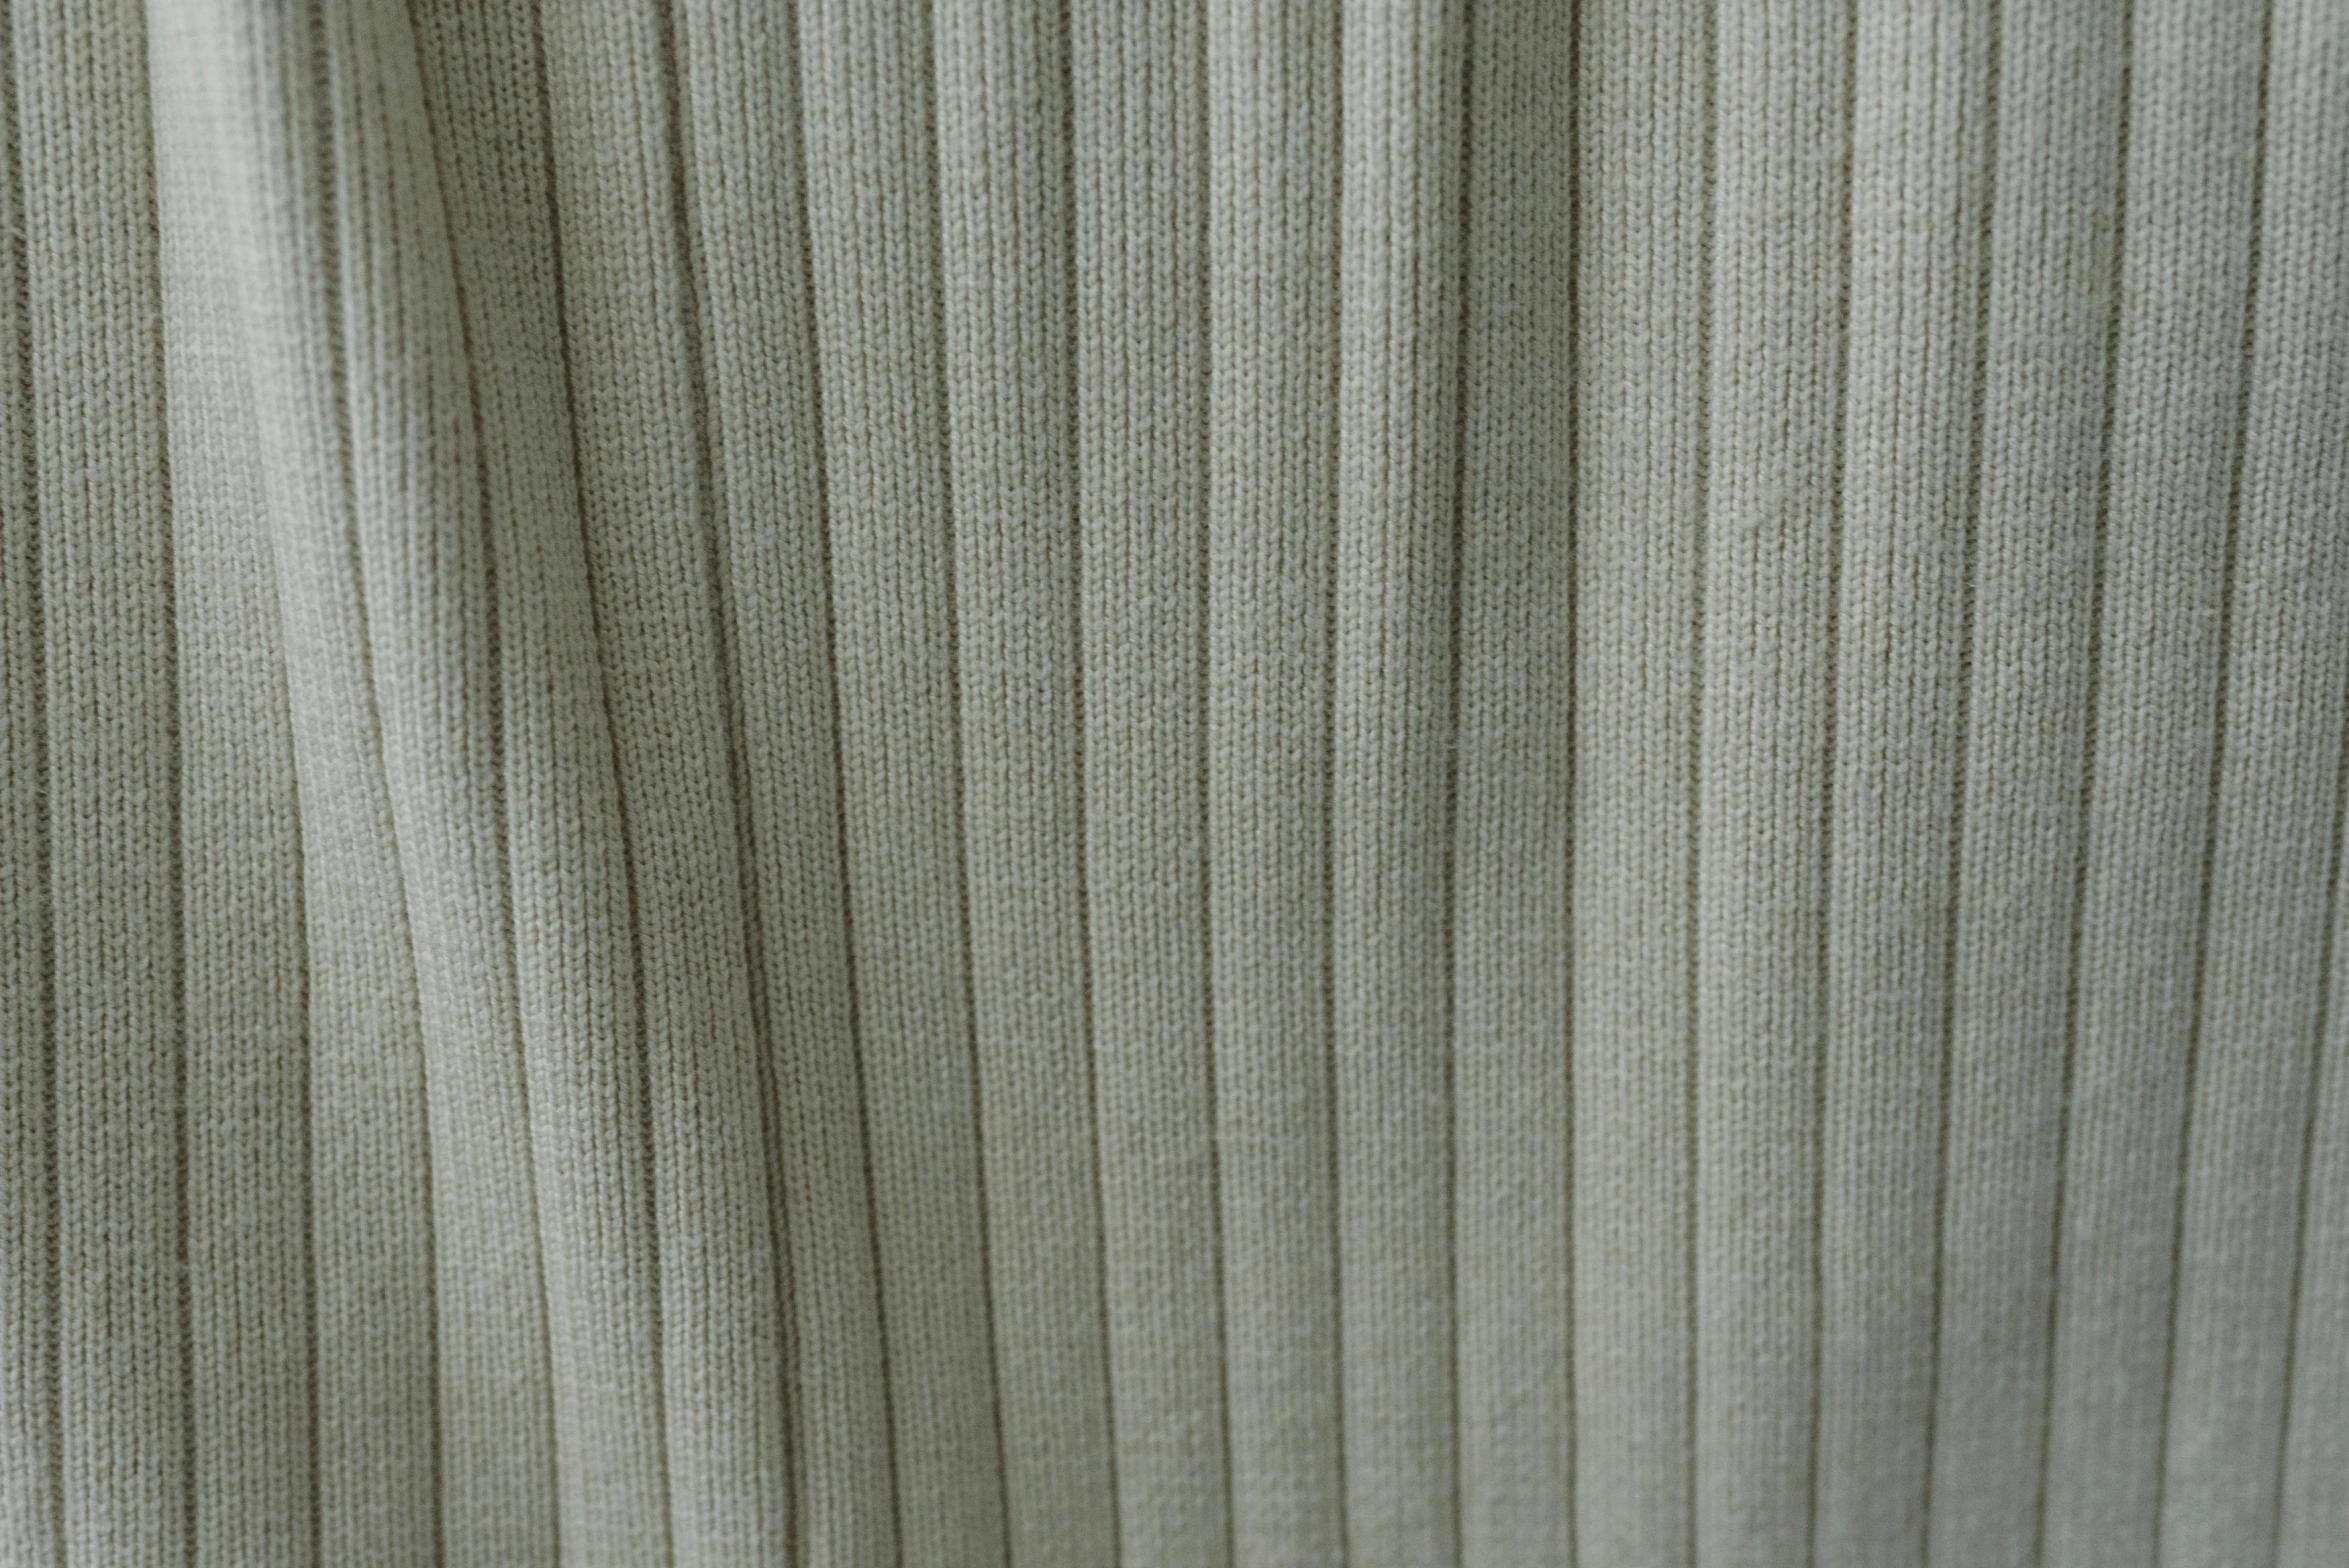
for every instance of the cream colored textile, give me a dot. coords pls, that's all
(1203, 782)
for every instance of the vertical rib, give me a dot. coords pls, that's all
(31, 1524)
(2276, 802)
(1272, 503)
(740, 88)
(1002, 85)
(772, 1540)
(424, 577)
(2304, 291)
(2192, 145)
(1779, 247)
(1511, 871)
(370, 1160)
(253, 1487)
(2312, 1525)
(1642, 213)
(1921, 136)
(575, 985)
(1138, 99)
(2046, 342)
(873, 240)
(1399, 283)
(102, 505)
(629, 312)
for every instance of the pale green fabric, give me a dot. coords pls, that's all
(1195, 782)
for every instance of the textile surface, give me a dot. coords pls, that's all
(1184, 783)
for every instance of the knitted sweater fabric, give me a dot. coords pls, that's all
(1196, 783)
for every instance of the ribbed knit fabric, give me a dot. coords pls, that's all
(1194, 783)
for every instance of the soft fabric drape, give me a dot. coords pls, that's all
(1199, 782)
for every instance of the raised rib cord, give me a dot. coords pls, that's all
(1919, 166)
(1644, 211)
(1766, 672)
(2029, 669)
(1272, 195)
(2189, 176)
(1512, 1192)
(1189, 784)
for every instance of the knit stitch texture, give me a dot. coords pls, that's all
(1193, 783)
